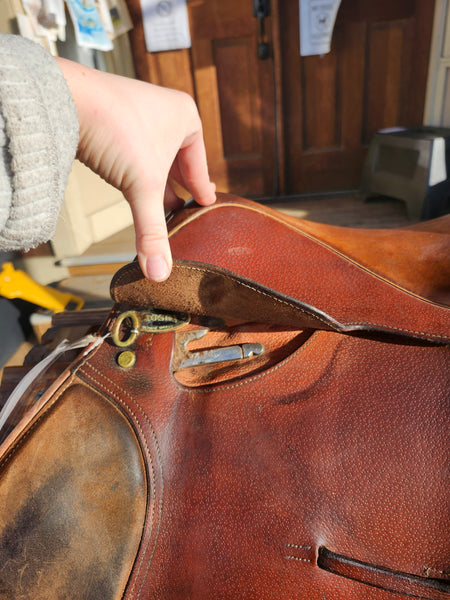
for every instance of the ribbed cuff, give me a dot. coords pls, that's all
(40, 138)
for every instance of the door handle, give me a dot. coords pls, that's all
(261, 10)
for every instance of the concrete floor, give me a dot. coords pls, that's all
(348, 210)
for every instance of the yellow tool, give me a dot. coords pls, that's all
(17, 284)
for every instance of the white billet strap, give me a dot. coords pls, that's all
(14, 399)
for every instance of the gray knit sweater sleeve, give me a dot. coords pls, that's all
(38, 142)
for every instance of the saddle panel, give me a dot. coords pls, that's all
(73, 500)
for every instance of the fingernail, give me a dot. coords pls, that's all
(157, 267)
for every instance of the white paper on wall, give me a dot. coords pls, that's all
(166, 25)
(53, 12)
(120, 17)
(105, 15)
(317, 18)
(26, 29)
(45, 18)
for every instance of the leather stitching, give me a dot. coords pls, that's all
(133, 267)
(391, 327)
(12, 451)
(298, 547)
(431, 571)
(46, 406)
(242, 284)
(153, 481)
(310, 313)
(218, 387)
(257, 290)
(310, 236)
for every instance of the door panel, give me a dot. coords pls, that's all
(233, 90)
(238, 96)
(386, 76)
(374, 77)
(320, 103)
(235, 97)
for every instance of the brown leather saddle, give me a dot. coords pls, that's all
(270, 423)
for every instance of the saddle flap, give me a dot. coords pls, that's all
(243, 262)
(208, 291)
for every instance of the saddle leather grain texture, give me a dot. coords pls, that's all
(314, 466)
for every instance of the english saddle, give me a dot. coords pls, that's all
(270, 423)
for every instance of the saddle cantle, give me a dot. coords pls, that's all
(271, 422)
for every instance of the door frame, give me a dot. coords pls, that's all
(439, 65)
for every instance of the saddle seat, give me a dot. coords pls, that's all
(240, 260)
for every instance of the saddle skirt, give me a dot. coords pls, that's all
(271, 422)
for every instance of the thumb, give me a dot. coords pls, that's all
(152, 244)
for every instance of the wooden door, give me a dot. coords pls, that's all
(234, 90)
(374, 77)
(303, 125)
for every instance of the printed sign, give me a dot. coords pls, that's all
(317, 18)
(166, 25)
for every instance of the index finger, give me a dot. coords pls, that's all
(152, 244)
(192, 166)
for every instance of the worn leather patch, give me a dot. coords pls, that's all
(72, 503)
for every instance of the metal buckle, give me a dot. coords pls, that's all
(129, 324)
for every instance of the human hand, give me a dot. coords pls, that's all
(134, 135)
